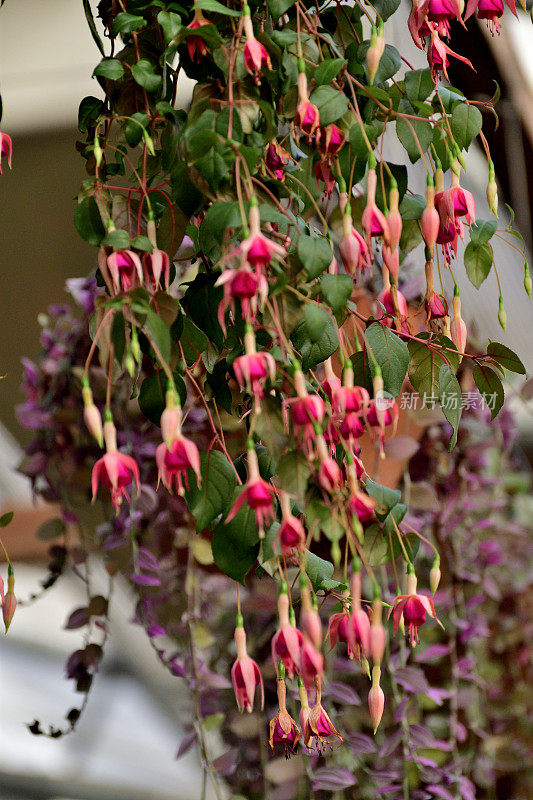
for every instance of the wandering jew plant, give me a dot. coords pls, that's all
(233, 382)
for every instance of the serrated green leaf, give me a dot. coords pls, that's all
(126, 23)
(409, 131)
(412, 207)
(482, 230)
(117, 239)
(478, 262)
(216, 8)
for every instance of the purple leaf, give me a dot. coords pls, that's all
(440, 791)
(361, 744)
(78, 618)
(332, 780)
(186, 744)
(226, 764)
(155, 630)
(146, 580)
(412, 679)
(147, 560)
(391, 744)
(432, 653)
(342, 693)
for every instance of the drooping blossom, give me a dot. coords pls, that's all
(331, 383)
(329, 472)
(245, 674)
(330, 140)
(256, 57)
(458, 330)
(382, 411)
(307, 117)
(354, 250)
(352, 426)
(323, 174)
(338, 630)
(373, 220)
(257, 249)
(456, 202)
(257, 494)
(196, 46)
(377, 634)
(310, 622)
(490, 10)
(439, 13)
(386, 299)
(9, 600)
(319, 730)
(436, 305)
(430, 222)
(114, 470)
(249, 287)
(6, 149)
(312, 663)
(276, 159)
(347, 398)
(438, 53)
(291, 532)
(252, 369)
(173, 465)
(156, 268)
(125, 269)
(283, 729)
(306, 411)
(358, 629)
(413, 608)
(287, 641)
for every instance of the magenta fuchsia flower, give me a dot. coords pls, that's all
(358, 628)
(386, 299)
(323, 174)
(319, 729)
(382, 412)
(249, 288)
(306, 411)
(312, 663)
(196, 46)
(287, 641)
(491, 10)
(456, 202)
(413, 608)
(438, 53)
(373, 220)
(256, 58)
(283, 729)
(245, 674)
(156, 266)
(354, 250)
(448, 236)
(257, 494)
(125, 269)
(174, 464)
(252, 369)
(114, 470)
(436, 306)
(291, 535)
(330, 140)
(307, 116)
(6, 149)
(438, 13)
(310, 622)
(430, 222)
(352, 426)
(256, 249)
(349, 399)
(276, 159)
(339, 630)
(361, 506)
(331, 383)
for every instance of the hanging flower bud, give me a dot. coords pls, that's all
(394, 218)
(114, 470)
(527, 279)
(287, 641)
(376, 699)
(6, 149)
(331, 383)
(304, 706)
(245, 674)
(307, 116)
(378, 636)
(312, 663)
(320, 728)
(171, 416)
(492, 191)
(196, 46)
(91, 414)
(283, 729)
(430, 222)
(291, 533)
(434, 575)
(373, 221)
(9, 600)
(373, 54)
(359, 624)
(156, 266)
(323, 173)
(502, 316)
(276, 159)
(458, 326)
(256, 57)
(329, 473)
(257, 494)
(436, 305)
(354, 250)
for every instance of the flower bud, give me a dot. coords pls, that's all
(373, 55)
(376, 699)
(502, 316)
(135, 346)
(492, 191)
(430, 222)
(434, 575)
(9, 603)
(97, 150)
(91, 414)
(171, 416)
(458, 330)
(129, 362)
(527, 279)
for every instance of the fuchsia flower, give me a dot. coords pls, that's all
(173, 465)
(6, 149)
(245, 674)
(358, 628)
(257, 494)
(330, 140)
(331, 383)
(310, 618)
(349, 399)
(491, 10)
(125, 269)
(329, 472)
(283, 729)
(437, 12)
(156, 265)
(257, 249)
(249, 288)
(438, 53)
(458, 330)
(430, 223)
(256, 58)
(291, 535)
(9, 600)
(252, 369)
(376, 699)
(373, 220)
(382, 412)
(353, 248)
(352, 426)
(305, 412)
(287, 641)
(436, 306)
(339, 630)
(456, 202)
(312, 663)
(385, 298)
(195, 44)
(413, 607)
(319, 727)
(114, 470)
(307, 116)
(323, 173)
(360, 505)
(276, 159)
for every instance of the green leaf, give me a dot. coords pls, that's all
(449, 96)
(389, 64)
(118, 335)
(331, 103)
(6, 518)
(110, 68)
(386, 8)
(412, 207)
(362, 373)
(357, 140)
(117, 239)
(317, 344)
(318, 570)
(218, 381)
(385, 498)
(88, 222)
(279, 7)
(418, 84)
(294, 473)
(315, 254)
(406, 130)
(270, 427)
(92, 26)
(193, 341)
(478, 262)
(216, 7)
(142, 243)
(337, 290)
(425, 363)
(88, 113)
(213, 166)
(171, 25)
(392, 355)
(466, 122)
(328, 70)
(490, 387)
(126, 23)
(145, 75)
(159, 333)
(235, 544)
(216, 491)
(506, 357)
(133, 129)
(201, 302)
(50, 529)
(152, 395)
(482, 230)
(450, 400)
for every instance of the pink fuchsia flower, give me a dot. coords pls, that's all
(249, 288)
(310, 622)
(413, 608)
(330, 140)
(361, 506)
(312, 663)
(430, 222)
(386, 299)
(376, 698)
(256, 58)
(257, 494)
(491, 10)
(276, 159)
(291, 533)
(329, 472)
(125, 269)
(438, 53)
(114, 470)
(378, 637)
(382, 412)
(245, 674)
(256, 249)
(349, 399)
(320, 729)
(331, 383)
(394, 218)
(196, 46)
(352, 426)
(373, 220)
(287, 641)
(173, 465)
(306, 412)
(156, 266)
(456, 202)
(307, 116)
(358, 629)
(284, 731)
(252, 369)
(338, 630)
(323, 173)
(448, 236)
(6, 149)
(353, 248)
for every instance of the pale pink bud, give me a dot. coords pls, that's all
(376, 699)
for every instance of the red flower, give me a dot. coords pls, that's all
(6, 149)
(125, 269)
(330, 140)
(491, 10)
(291, 535)
(276, 159)
(257, 250)
(319, 727)
(256, 58)
(245, 675)
(373, 220)
(312, 663)
(287, 641)
(438, 53)
(195, 44)
(252, 369)
(338, 629)
(249, 288)
(413, 607)
(173, 464)
(114, 470)
(156, 266)
(322, 170)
